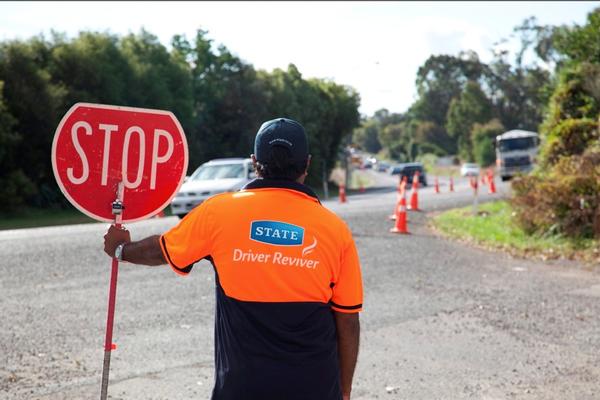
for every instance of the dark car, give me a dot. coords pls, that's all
(408, 170)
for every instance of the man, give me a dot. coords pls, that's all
(288, 280)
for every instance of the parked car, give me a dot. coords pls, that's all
(382, 166)
(408, 170)
(213, 177)
(469, 169)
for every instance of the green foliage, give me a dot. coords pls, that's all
(328, 111)
(515, 93)
(219, 99)
(429, 161)
(433, 138)
(367, 136)
(574, 96)
(471, 107)
(442, 78)
(36, 104)
(495, 227)
(520, 93)
(8, 137)
(90, 68)
(570, 137)
(564, 196)
(581, 43)
(565, 200)
(16, 189)
(395, 138)
(483, 136)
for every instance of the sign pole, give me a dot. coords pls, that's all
(117, 209)
(474, 184)
(101, 151)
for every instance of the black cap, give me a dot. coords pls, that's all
(283, 132)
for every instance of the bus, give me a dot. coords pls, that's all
(516, 152)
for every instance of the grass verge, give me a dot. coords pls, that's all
(360, 179)
(34, 218)
(494, 228)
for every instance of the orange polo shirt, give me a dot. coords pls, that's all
(282, 263)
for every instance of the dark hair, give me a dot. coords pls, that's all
(280, 165)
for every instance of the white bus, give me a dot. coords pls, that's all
(516, 152)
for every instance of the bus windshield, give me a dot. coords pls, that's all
(517, 144)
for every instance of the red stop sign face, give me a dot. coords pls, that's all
(98, 146)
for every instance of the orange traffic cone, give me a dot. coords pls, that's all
(342, 193)
(414, 199)
(451, 184)
(361, 189)
(492, 187)
(437, 185)
(483, 182)
(400, 226)
(401, 195)
(415, 182)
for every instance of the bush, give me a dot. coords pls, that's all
(569, 137)
(564, 200)
(429, 161)
(16, 189)
(575, 97)
(483, 136)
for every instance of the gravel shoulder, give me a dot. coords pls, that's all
(442, 320)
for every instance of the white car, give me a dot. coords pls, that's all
(469, 169)
(213, 177)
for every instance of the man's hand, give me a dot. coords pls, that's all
(146, 251)
(114, 237)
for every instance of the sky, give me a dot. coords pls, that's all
(375, 47)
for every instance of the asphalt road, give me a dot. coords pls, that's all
(441, 320)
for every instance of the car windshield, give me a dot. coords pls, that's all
(219, 171)
(411, 170)
(516, 144)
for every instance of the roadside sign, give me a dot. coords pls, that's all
(98, 146)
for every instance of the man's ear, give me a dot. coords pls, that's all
(255, 165)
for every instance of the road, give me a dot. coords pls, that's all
(441, 320)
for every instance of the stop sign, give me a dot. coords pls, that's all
(98, 146)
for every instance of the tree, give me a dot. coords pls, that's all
(433, 138)
(15, 186)
(483, 138)
(367, 136)
(227, 102)
(471, 107)
(581, 43)
(90, 68)
(442, 78)
(36, 104)
(219, 99)
(520, 92)
(563, 195)
(399, 141)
